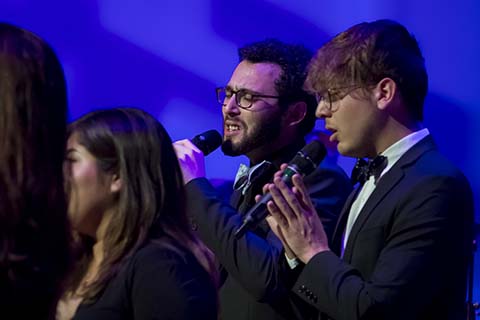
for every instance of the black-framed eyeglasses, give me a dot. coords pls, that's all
(335, 94)
(243, 97)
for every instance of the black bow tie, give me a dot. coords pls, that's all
(364, 169)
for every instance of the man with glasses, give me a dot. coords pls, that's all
(402, 244)
(266, 115)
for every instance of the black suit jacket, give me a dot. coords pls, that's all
(407, 252)
(253, 287)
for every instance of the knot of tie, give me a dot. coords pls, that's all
(246, 176)
(364, 169)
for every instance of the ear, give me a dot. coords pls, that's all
(296, 113)
(384, 93)
(115, 183)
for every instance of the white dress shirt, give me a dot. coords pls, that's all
(393, 154)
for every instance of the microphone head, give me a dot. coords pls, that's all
(309, 157)
(207, 141)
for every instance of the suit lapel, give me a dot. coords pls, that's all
(384, 186)
(235, 198)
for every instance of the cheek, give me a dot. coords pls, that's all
(355, 121)
(83, 181)
(255, 121)
(351, 131)
(358, 136)
(249, 124)
(83, 173)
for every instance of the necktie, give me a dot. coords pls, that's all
(364, 169)
(246, 176)
(241, 177)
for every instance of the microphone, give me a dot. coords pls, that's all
(207, 141)
(304, 162)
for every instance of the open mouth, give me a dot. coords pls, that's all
(333, 137)
(231, 128)
(333, 134)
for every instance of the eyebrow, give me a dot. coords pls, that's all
(243, 89)
(70, 150)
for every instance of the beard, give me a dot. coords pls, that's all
(260, 135)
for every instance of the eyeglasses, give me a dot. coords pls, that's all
(335, 94)
(243, 98)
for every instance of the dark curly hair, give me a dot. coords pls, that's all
(293, 59)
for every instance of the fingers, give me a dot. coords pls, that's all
(279, 173)
(187, 145)
(277, 214)
(288, 203)
(272, 222)
(300, 190)
(191, 160)
(292, 198)
(273, 219)
(181, 150)
(281, 201)
(265, 189)
(186, 149)
(277, 230)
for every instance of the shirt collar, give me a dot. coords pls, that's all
(399, 148)
(284, 155)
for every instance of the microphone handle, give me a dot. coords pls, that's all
(258, 212)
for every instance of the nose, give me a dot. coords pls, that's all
(322, 110)
(231, 107)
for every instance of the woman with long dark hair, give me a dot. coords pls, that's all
(34, 231)
(139, 259)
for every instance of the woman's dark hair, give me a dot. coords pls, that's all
(132, 144)
(34, 231)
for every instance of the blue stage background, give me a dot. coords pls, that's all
(168, 56)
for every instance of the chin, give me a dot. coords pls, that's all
(230, 149)
(341, 148)
(346, 151)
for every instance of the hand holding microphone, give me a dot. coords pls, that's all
(303, 163)
(208, 141)
(191, 153)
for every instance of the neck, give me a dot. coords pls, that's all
(103, 226)
(393, 132)
(102, 229)
(91, 271)
(274, 150)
